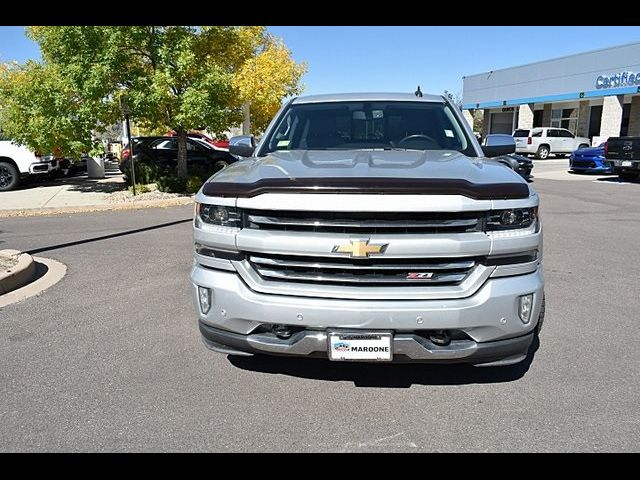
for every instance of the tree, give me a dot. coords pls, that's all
(265, 79)
(456, 99)
(478, 119)
(41, 109)
(173, 77)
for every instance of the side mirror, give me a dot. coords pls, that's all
(498, 144)
(242, 145)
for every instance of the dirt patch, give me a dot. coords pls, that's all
(125, 196)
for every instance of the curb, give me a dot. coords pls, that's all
(38, 212)
(21, 274)
(48, 273)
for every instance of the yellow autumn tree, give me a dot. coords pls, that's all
(266, 78)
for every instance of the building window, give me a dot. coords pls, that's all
(565, 118)
(595, 120)
(624, 124)
(537, 118)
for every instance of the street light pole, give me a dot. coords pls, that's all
(133, 165)
(125, 109)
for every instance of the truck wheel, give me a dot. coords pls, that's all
(543, 152)
(9, 176)
(583, 145)
(624, 176)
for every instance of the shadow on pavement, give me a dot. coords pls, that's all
(616, 179)
(105, 237)
(385, 375)
(94, 186)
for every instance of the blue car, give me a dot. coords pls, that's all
(588, 160)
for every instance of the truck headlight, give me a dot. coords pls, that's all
(219, 215)
(524, 219)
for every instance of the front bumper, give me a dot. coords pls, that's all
(594, 165)
(407, 347)
(488, 317)
(43, 167)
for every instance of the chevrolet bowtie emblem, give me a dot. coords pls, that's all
(360, 248)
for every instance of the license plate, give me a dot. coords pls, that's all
(357, 346)
(626, 163)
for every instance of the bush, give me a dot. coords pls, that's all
(145, 173)
(171, 184)
(140, 188)
(194, 182)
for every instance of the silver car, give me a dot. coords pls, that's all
(369, 227)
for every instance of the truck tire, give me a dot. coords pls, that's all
(624, 176)
(583, 145)
(543, 152)
(9, 176)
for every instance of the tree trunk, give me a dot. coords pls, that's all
(246, 123)
(182, 153)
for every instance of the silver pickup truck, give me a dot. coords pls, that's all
(369, 227)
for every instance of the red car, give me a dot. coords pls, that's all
(220, 144)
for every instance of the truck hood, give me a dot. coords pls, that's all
(364, 171)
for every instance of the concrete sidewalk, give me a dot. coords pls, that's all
(62, 192)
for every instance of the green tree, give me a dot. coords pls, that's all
(174, 77)
(40, 108)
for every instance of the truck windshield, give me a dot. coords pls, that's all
(368, 125)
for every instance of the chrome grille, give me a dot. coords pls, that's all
(365, 222)
(338, 271)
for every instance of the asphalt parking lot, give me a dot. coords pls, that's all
(111, 359)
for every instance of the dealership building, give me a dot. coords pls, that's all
(594, 94)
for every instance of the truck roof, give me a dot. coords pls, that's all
(356, 97)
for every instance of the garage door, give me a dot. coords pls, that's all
(502, 122)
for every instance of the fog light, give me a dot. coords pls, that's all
(204, 295)
(524, 307)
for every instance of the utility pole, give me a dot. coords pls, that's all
(125, 110)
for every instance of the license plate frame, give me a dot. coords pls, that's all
(360, 339)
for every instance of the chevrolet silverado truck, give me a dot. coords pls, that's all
(17, 163)
(369, 227)
(623, 156)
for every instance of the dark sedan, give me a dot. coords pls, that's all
(518, 163)
(163, 151)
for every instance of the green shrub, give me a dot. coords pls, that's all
(194, 182)
(145, 173)
(140, 188)
(171, 184)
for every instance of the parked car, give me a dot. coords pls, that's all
(589, 160)
(217, 143)
(518, 163)
(164, 151)
(17, 163)
(544, 141)
(623, 153)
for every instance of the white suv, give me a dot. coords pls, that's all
(18, 162)
(543, 141)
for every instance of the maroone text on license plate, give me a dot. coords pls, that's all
(352, 346)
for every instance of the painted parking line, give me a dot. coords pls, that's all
(615, 183)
